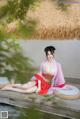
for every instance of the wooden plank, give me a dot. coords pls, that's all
(49, 104)
(52, 105)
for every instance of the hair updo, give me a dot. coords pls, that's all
(49, 48)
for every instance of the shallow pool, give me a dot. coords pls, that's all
(29, 113)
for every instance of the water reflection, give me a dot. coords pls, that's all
(29, 113)
(13, 113)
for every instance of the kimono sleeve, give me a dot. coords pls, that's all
(59, 78)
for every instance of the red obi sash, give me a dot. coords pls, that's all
(47, 76)
(44, 85)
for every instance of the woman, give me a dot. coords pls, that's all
(49, 76)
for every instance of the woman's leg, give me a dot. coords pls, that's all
(30, 90)
(21, 86)
(13, 89)
(29, 85)
(25, 88)
(11, 85)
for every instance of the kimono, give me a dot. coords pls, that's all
(59, 81)
(51, 76)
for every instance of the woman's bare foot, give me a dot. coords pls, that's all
(7, 87)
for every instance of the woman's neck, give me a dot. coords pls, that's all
(51, 61)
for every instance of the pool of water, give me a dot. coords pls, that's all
(29, 113)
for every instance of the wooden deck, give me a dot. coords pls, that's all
(48, 103)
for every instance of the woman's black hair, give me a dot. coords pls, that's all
(49, 48)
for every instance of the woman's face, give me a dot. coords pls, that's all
(49, 56)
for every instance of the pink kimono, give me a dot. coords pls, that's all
(54, 69)
(58, 81)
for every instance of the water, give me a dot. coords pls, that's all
(13, 112)
(29, 113)
(67, 53)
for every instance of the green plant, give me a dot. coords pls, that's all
(13, 64)
(16, 9)
(14, 19)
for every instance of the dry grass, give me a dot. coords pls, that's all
(55, 23)
(57, 33)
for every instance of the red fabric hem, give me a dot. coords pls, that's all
(60, 86)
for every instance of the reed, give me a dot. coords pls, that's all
(57, 33)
